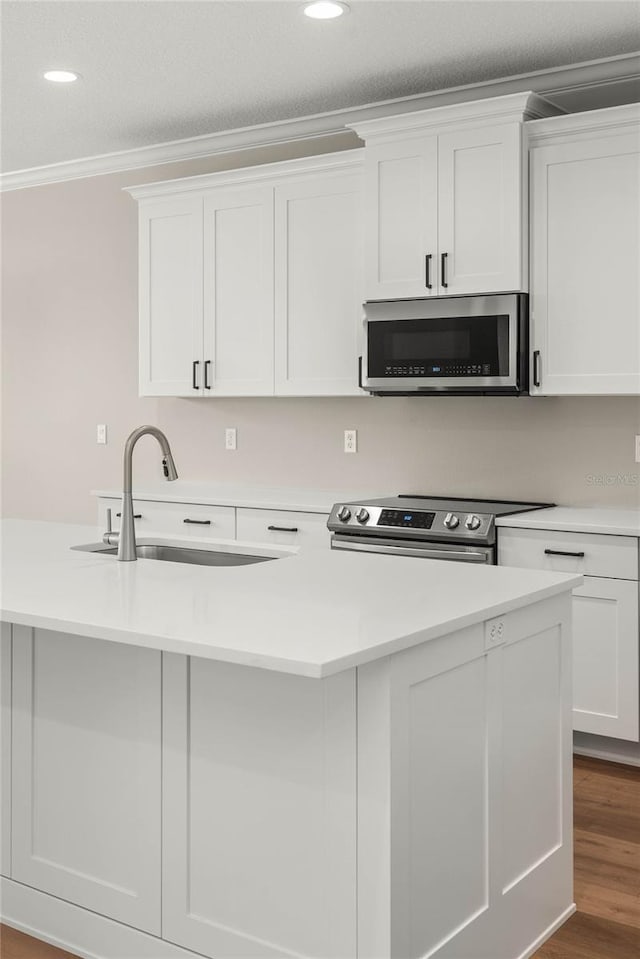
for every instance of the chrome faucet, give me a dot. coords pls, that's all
(126, 538)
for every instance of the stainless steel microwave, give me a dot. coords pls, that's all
(454, 344)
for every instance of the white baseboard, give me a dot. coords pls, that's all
(540, 941)
(77, 930)
(610, 750)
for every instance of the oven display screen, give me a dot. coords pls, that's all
(408, 519)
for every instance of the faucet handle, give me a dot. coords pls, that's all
(110, 537)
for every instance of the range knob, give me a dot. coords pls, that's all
(451, 521)
(472, 521)
(344, 514)
(362, 515)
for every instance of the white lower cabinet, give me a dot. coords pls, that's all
(86, 773)
(605, 669)
(5, 749)
(176, 519)
(606, 630)
(283, 527)
(259, 811)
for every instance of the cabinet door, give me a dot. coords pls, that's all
(238, 292)
(401, 219)
(170, 271)
(86, 773)
(259, 811)
(585, 281)
(480, 211)
(318, 285)
(5, 749)
(605, 658)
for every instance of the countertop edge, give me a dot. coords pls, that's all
(317, 670)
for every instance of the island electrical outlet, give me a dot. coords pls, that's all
(351, 441)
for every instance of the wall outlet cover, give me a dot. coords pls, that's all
(230, 438)
(351, 441)
(101, 433)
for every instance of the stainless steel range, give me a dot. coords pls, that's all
(432, 527)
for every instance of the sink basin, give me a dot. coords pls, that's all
(181, 554)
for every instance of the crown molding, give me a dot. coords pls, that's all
(515, 107)
(264, 173)
(589, 122)
(580, 77)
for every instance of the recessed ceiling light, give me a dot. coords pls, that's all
(325, 9)
(61, 76)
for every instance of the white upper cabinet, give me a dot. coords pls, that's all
(401, 219)
(585, 257)
(445, 201)
(238, 292)
(318, 285)
(170, 293)
(235, 301)
(481, 222)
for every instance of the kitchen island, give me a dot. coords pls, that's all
(323, 755)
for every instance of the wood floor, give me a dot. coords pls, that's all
(606, 813)
(607, 873)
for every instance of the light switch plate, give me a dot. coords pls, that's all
(101, 433)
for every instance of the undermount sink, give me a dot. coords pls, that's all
(181, 554)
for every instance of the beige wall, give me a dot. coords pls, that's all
(69, 345)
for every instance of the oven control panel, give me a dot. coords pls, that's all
(410, 523)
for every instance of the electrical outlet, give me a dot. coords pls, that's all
(494, 633)
(230, 439)
(351, 441)
(637, 449)
(101, 433)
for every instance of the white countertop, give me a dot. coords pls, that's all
(313, 613)
(235, 494)
(615, 522)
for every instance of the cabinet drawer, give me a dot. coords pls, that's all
(175, 519)
(283, 527)
(590, 553)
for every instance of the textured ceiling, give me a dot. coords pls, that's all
(159, 70)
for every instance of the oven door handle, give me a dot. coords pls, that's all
(469, 556)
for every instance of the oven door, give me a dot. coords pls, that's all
(449, 551)
(462, 344)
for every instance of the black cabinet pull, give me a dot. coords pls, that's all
(283, 529)
(194, 375)
(360, 372)
(207, 366)
(536, 367)
(443, 270)
(198, 522)
(135, 515)
(427, 271)
(562, 552)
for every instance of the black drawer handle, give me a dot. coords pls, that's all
(198, 522)
(283, 529)
(194, 375)
(443, 270)
(427, 272)
(207, 367)
(562, 552)
(135, 515)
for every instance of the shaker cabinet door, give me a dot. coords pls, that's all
(401, 219)
(170, 294)
(318, 295)
(585, 276)
(605, 658)
(86, 773)
(238, 292)
(480, 211)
